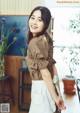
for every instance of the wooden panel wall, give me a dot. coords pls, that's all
(12, 66)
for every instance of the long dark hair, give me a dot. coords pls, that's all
(45, 16)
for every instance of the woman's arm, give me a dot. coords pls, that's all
(49, 83)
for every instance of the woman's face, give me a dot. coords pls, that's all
(36, 24)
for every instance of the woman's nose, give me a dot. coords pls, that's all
(34, 21)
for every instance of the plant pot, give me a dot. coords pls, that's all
(69, 86)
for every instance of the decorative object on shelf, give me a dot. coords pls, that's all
(4, 38)
(24, 65)
(24, 51)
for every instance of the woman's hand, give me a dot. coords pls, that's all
(60, 103)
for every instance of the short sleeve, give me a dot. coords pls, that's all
(39, 54)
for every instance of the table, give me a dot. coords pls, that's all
(21, 88)
(9, 94)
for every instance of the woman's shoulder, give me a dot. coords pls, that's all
(37, 41)
(37, 45)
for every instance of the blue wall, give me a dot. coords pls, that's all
(20, 22)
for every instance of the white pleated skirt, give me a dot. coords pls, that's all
(41, 100)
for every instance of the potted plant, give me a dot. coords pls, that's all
(72, 58)
(5, 33)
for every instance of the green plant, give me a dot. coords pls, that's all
(74, 24)
(5, 33)
(71, 57)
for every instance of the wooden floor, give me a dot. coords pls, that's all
(14, 109)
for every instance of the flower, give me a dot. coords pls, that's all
(5, 35)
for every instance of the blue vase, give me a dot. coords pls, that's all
(24, 65)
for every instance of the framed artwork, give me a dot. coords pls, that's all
(14, 26)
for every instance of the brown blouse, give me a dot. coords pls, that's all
(39, 56)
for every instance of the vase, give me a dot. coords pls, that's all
(1, 68)
(24, 65)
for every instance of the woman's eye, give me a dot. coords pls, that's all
(32, 18)
(39, 20)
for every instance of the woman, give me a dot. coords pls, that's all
(40, 63)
